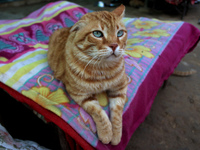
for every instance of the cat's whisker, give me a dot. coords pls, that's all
(103, 51)
(78, 53)
(96, 62)
(103, 54)
(83, 58)
(89, 52)
(124, 54)
(100, 61)
(87, 65)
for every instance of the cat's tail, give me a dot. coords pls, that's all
(184, 73)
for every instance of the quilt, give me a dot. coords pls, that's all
(154, 49)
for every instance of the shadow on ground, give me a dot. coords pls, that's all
(173, 122)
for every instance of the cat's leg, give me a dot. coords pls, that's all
(103, 124)
(117, 100)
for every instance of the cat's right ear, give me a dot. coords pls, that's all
(77, 26)
(119, 11)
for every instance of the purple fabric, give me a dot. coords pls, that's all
(154, 48)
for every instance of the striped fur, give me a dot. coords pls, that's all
(88, 65)
(184, 73)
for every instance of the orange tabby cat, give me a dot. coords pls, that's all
(88, 59)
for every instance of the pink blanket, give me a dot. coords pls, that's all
(154, 49)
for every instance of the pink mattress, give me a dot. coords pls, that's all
(153, 51)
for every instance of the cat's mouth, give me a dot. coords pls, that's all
(107, 54)
(112, 56)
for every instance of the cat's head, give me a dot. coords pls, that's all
(101, 35)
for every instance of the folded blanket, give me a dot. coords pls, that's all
(154, 49)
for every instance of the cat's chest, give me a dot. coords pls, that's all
(102, 83)
(98, 87)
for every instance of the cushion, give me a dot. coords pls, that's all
(154, 49)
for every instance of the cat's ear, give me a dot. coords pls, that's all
(119, 11)
(77, 26)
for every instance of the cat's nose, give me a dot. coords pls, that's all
(113, 46)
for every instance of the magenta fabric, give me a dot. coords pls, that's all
(154, 48)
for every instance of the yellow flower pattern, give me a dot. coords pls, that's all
(134, 40)
(47, 99)
(152, 33)
(144, 24)
(139, 51)
(3, 59)
(102, 98)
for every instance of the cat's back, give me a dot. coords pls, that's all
(57, 39)
(55, 54)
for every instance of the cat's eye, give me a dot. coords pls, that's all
(120, 33)
(98, 34)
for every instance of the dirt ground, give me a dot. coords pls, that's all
(174, 119)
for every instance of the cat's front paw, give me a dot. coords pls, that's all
(105, 134)
(116, 138)
(104, 128)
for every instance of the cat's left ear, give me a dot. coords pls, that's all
(119, 11)
(77, 26)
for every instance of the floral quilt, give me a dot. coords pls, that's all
(24, 67)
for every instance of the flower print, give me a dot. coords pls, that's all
(22, 38)
(131, 30)
(152, 33)
(86, 120)
(132, 62)
(47, 99)
(77, 14)
(4, 59)
(134, 40)
(129, 82)
(144, 24)
(55, 27)
(139, 51)
(102, 98)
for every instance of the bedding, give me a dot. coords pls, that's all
(154, 49)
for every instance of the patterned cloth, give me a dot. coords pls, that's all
(150, 57)
(8, 143)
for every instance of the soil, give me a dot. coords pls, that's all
(174, 120)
